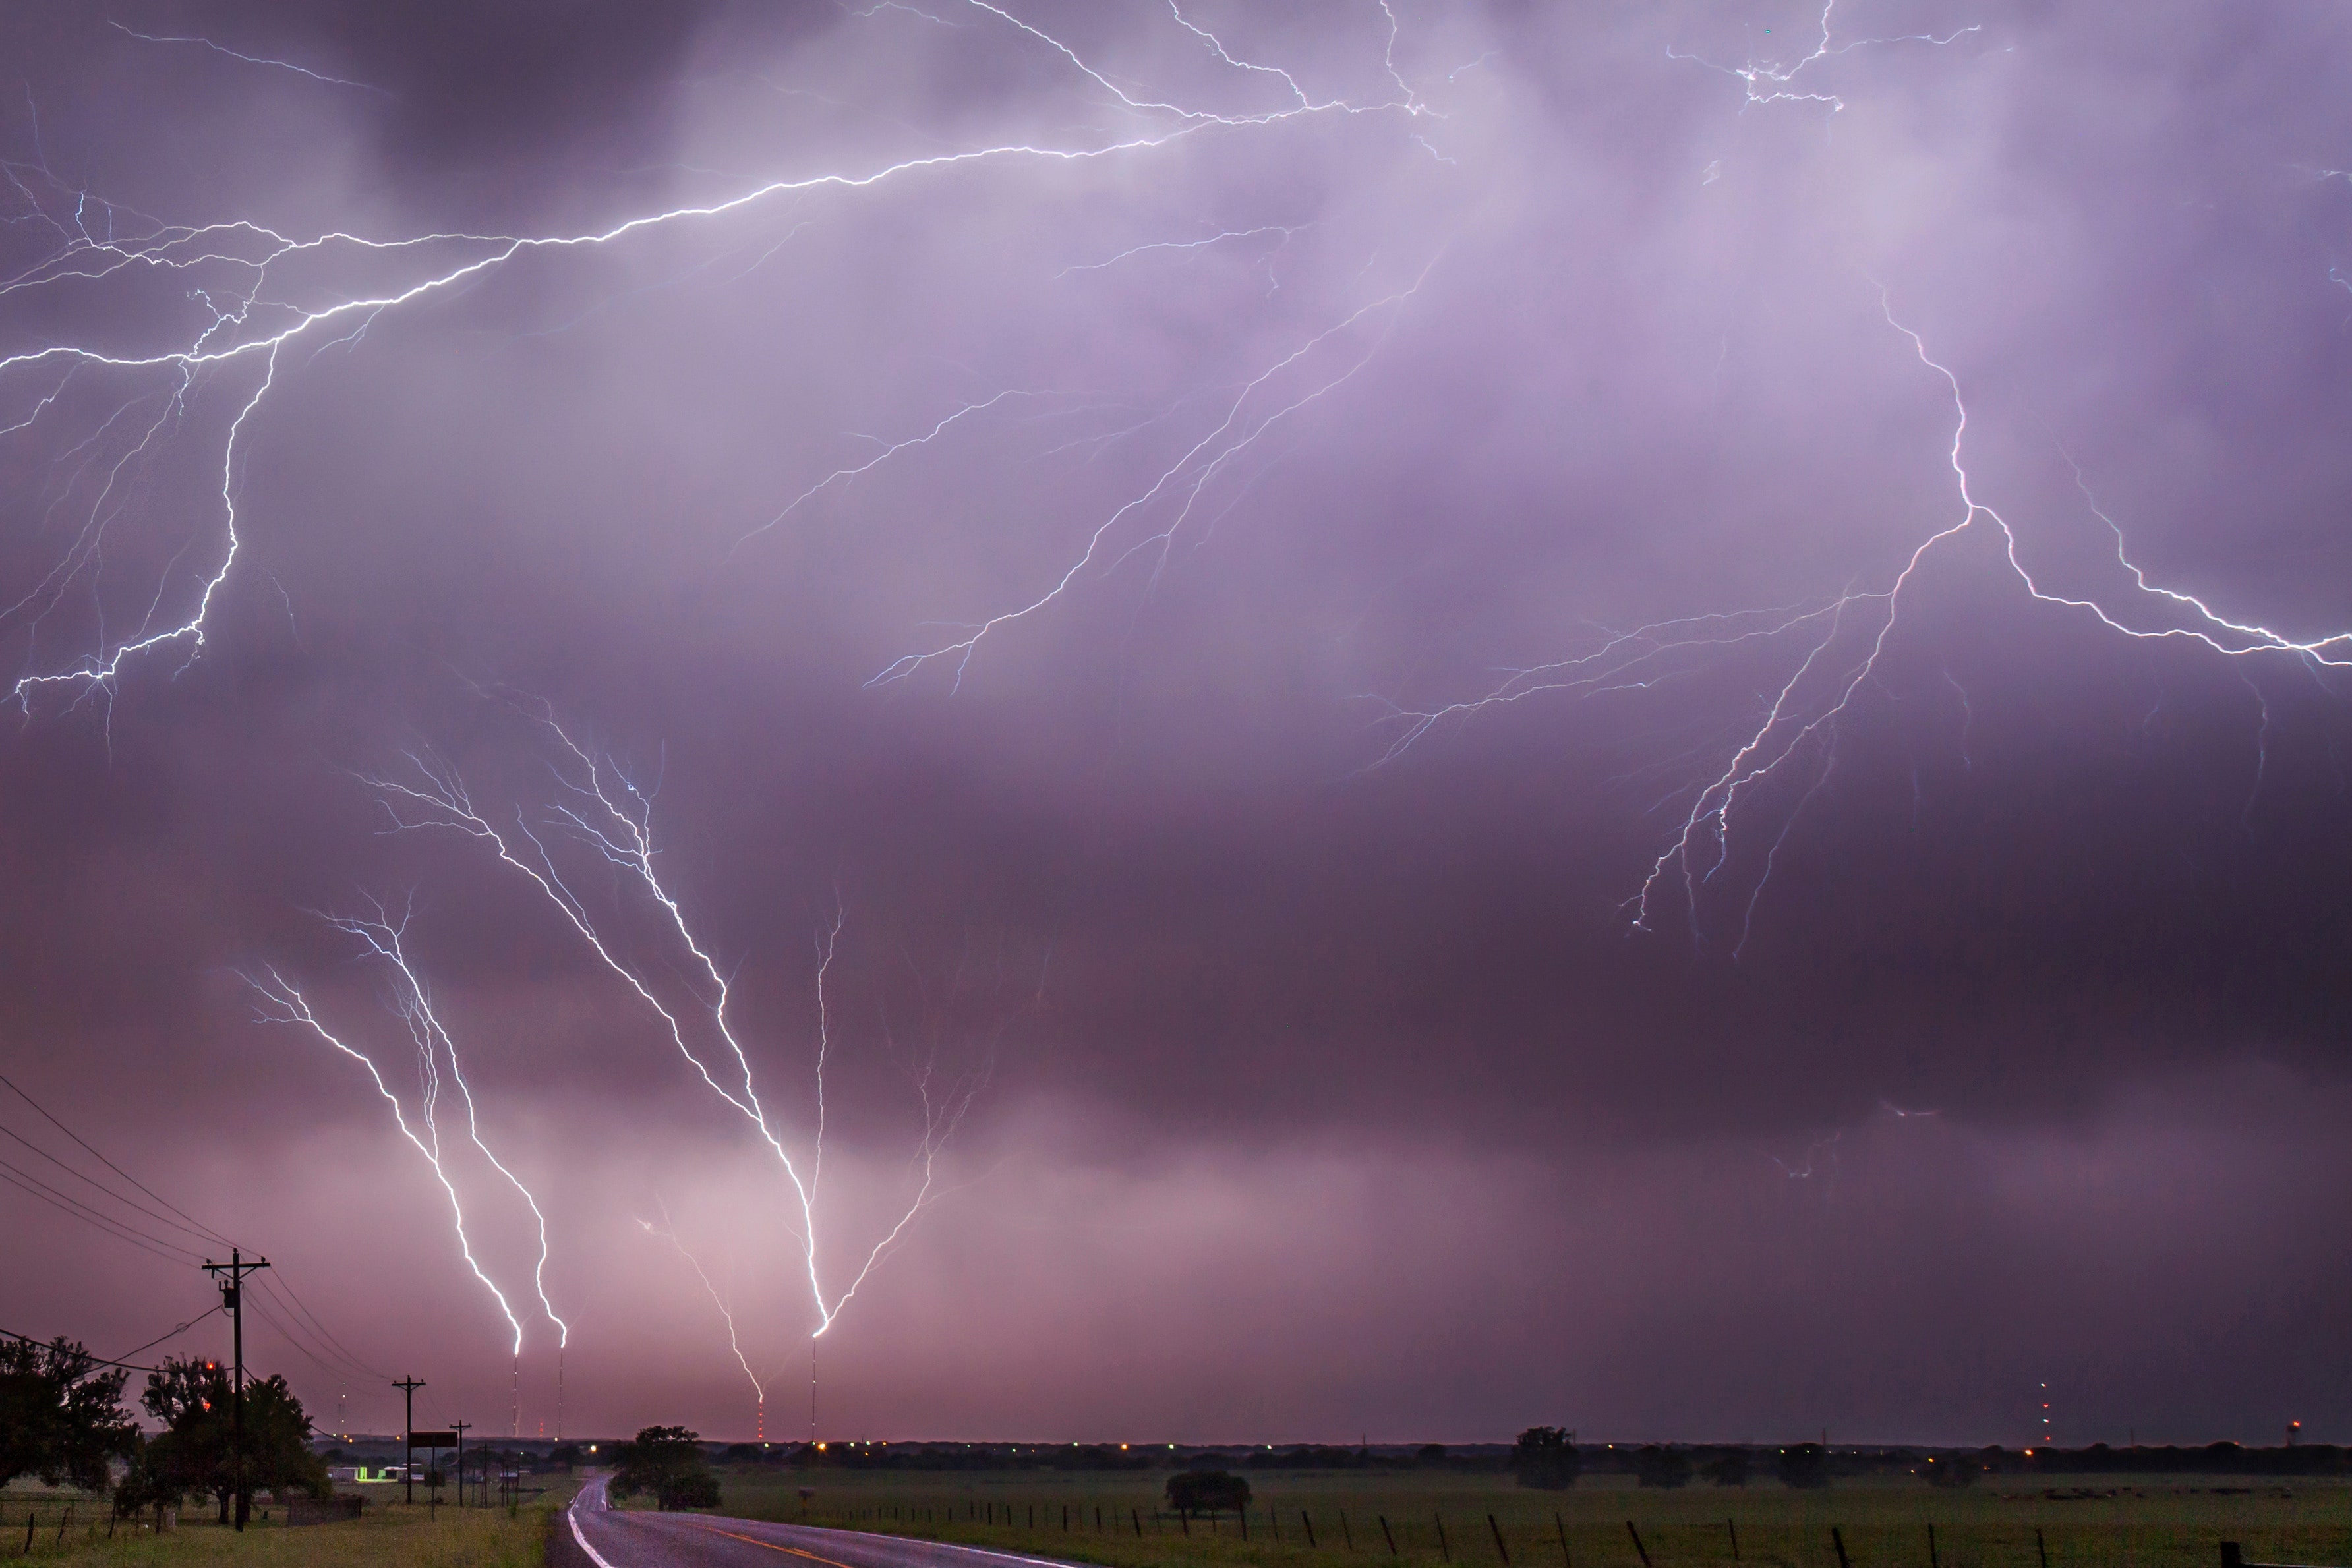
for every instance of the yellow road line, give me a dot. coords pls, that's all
(771, 1546)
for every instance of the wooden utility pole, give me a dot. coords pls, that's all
(408, 1387)
(232, 1290)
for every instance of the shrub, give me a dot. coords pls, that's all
(1207, 1491)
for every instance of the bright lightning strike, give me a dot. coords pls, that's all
(606, 812)
(245, 328)
(282, 1002)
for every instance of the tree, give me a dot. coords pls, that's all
(668, 1463)
(1805, 1466)
(1662, 1465)
(1544, 1457)
(1951, 1471)
(1728, 1468)
(1207, 1491)
(61, 1419)
(196, 1452)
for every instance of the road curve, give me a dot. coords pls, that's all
(597, 1535)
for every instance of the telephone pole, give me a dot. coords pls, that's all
(409, 1385)
(232, 1290)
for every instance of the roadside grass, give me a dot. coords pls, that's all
(2174, 1521)
(387, 1535)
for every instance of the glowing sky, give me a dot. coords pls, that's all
(1317, 618)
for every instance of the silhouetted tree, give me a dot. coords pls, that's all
(668, 1463)
(61, 1418)
(1207, 1491)
(1948, 1470)
(194, 1453)
(1805, 1465)
(1728, 1468)
(1543, 1456)
(1662, 1465)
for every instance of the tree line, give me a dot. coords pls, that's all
(63, 1421)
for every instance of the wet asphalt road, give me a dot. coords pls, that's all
(594, 1535)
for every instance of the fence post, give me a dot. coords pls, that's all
(1384, 1532)
(1932, 1561)
(1638, 1547)
(2040, 1550)
(2230, 1557)
(1733, 1525)
(1561, 1525)
(1500, 1550)
(1838, 1541)
(1443, 1551)
(1137, 1514)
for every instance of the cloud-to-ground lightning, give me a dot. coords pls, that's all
(282, 1002)
(606, 812)
(734, 1341)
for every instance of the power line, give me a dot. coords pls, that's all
(93, 1359)
(343, 1370)
(326, 1335)
(91, 1181)
(175, 1333)
(338, 1358)
(32, 1187)
(203, 1229)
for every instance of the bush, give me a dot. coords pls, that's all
(1662, 1465)
(1728, 1468)
(1207, 1491)
(1544, 1457)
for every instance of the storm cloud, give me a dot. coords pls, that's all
(1206, 556)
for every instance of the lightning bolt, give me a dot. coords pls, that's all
(249, 59)
(1841, 640)
(610, 815)
(246, 326)
(383, 938)
(282, 1002)
(669, 1229)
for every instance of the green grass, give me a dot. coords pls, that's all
(385, 1536)
(2172, 1522)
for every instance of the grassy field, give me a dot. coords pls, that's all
(2006, 1522)
(385, 1536)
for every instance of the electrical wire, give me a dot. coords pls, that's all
(91, 1181)
(93, 1359)
(34, 1187)
(202, 1228)
(175, 1333)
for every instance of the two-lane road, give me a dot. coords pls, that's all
(605, 1537)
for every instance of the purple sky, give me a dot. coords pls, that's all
(1360, 630)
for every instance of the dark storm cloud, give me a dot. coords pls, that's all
(1144, 860)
